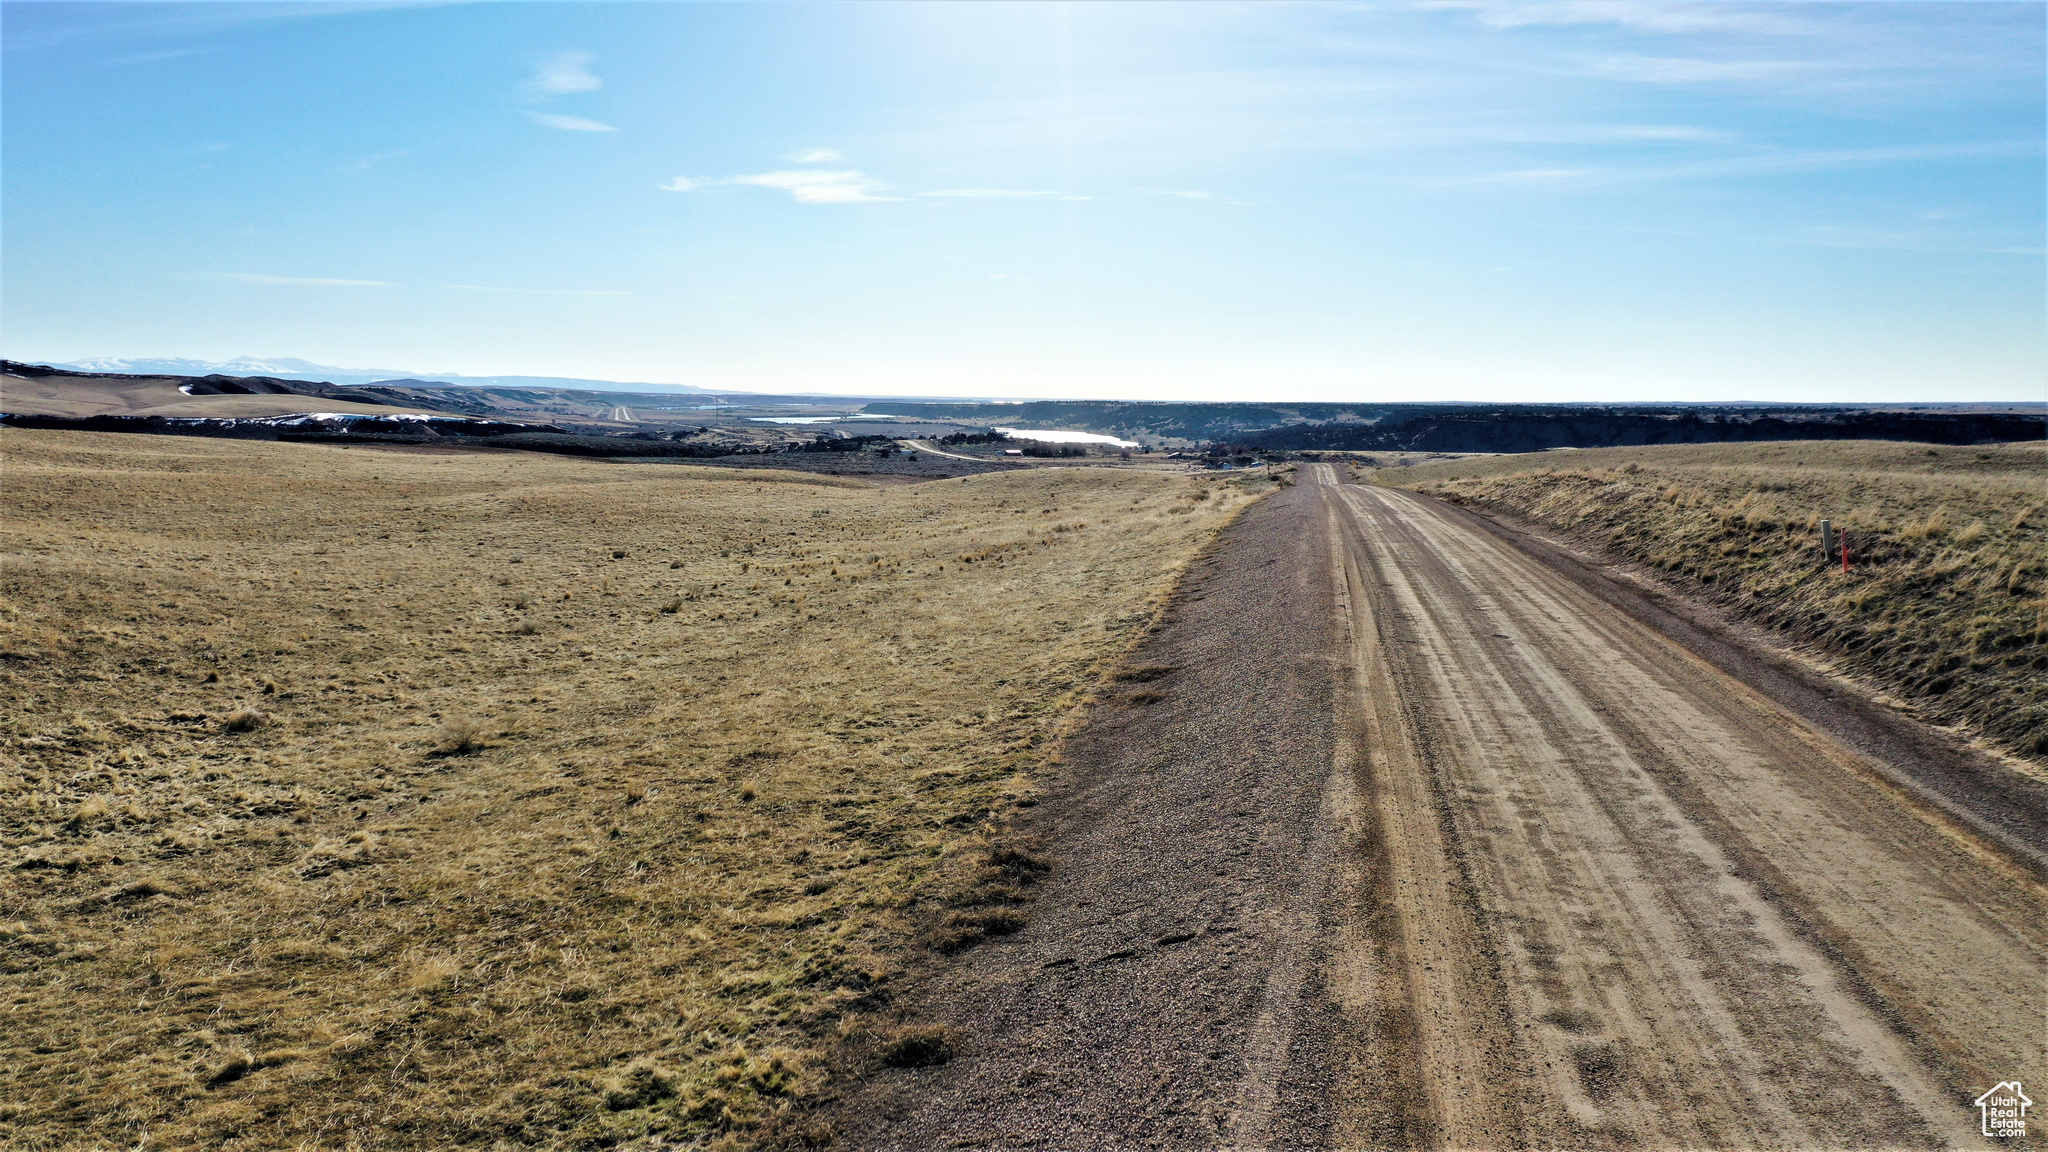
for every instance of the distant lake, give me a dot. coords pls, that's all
(795, 419)
(1054, 436)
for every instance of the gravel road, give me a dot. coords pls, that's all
(1425, 845)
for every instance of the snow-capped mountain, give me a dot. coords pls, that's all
(282, 367)
(292, 368)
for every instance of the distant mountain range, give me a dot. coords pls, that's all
(292, 368)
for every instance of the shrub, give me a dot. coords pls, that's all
(458, 735)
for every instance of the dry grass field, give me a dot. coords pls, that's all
(1945, 604)
(395, 799)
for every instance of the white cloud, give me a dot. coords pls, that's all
(304, 281)
(814, 156)
(1756, 164)
(565, 75)
(1194, 194)
(569, 123)
(818, 185)
(1658, 16)
(847, 186)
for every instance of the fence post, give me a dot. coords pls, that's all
(1827, 541)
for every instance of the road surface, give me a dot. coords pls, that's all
(1426, 846)
(921, 446)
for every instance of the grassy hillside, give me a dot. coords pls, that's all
(1946, 601)
(382, 799)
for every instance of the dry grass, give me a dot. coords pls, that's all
(587, 801)
(1946, 601)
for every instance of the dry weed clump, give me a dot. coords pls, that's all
(920, 1046)
(1945, 604)
(644, 918)
(459, 735)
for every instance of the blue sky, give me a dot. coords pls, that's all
(1497, 201)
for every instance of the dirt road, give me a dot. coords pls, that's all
(921, 446)
(1426, 846)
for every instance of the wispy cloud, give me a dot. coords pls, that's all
(303, 281)
(1194, 194)
(1531, 176)
(1820, 237)
(852, 186)
(565, 75)
(819, 185)
(1673, 70)
(1674, 18)
(1670, 132)
(163, 54)
(537, 291)
(153, 21)
(1755, 164)
(569, 123)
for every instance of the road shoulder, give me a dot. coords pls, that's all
(1166, 990)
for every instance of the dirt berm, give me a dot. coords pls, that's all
(1422, 844)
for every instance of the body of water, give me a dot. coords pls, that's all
(1055, 436)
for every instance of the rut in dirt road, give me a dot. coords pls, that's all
(1428, 847)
